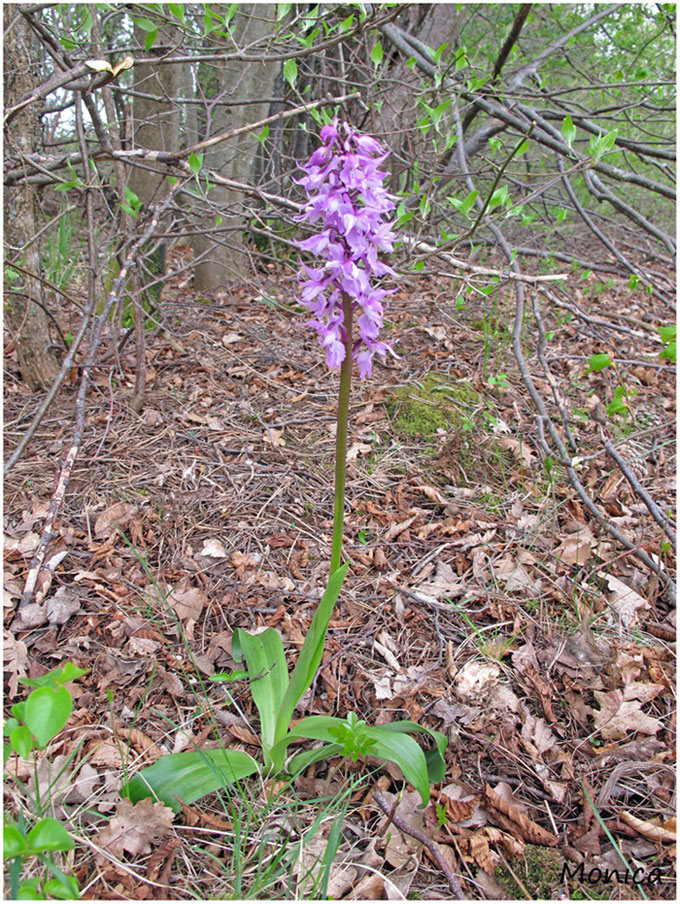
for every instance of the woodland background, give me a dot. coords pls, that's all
(511, 499)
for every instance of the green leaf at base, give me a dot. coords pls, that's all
(185, 777)
(268, 674)
(392, 742)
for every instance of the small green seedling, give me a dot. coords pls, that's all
(32, 725)
(668, 337)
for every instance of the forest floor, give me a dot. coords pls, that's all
(482, 598)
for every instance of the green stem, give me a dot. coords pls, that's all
(341, 437)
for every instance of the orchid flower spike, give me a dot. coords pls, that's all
(347, 198)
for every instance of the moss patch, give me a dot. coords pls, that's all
(539, 871)
(456, 415)
(431, 404)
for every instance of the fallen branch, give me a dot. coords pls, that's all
(404, 826)
(64, 475)
(640, 491)
(516, 276)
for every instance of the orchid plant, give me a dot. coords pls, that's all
(346, 196)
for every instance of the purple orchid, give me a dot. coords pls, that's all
(345, 192)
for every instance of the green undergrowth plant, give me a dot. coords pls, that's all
(62, 254)
(339, 176)
(281, 845)
(33, 724)
(494, 646)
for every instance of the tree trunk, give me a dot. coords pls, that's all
(234, 159)
(440, 24)
(155, 126)
(27, 321)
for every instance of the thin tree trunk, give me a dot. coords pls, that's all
(26, 319)
(245, 82)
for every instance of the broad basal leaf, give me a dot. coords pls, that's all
(268, 674)
(185, 777)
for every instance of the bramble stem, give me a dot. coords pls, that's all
(341, 437)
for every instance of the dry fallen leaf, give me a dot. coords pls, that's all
(625, 601)
(115, 516)
(445, 583)
(187, 601)
(106, 753)
(273, 437)
(618, 717)
(153, 418)
(214, 549)
(26, 545)
(357, 449)
(521, 451)
(649, 829)
(230, 338)
(15, 661)
(475, 677)
(512, 818)
(62, 606)
(242, 561)
(135, 827)
(432, 493)
(271, 581)
(576, 548)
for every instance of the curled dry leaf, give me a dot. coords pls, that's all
(478, 851)
(649, 829)
(432, 493)
(242, 561)
(461, 804)
(515, 819)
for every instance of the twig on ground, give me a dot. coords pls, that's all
(404, 826)
(640, 491)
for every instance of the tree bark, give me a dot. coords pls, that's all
(26, 320)
(244, 82)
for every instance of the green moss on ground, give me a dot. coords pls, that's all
(539, 870)
(455, 414)
(430, 405)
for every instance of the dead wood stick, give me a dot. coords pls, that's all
(64, 475)
(640, 491)
(403, 826)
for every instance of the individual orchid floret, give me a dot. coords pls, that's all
(347, 202)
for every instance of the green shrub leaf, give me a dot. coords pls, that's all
(49, 835)
(47, 711)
